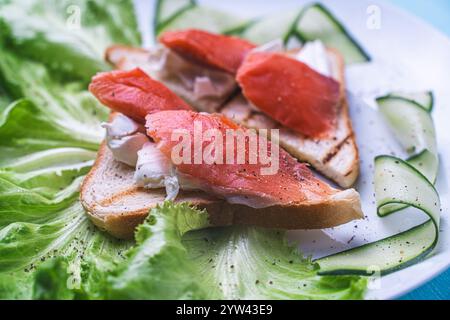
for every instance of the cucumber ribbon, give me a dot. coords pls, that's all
(400, 184)
(308, 23)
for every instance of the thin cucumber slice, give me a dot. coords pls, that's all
(240, 28)
(168, 10)
(396, 182)
(424, 99)
(413, 127)
(206, 19)
(411, 124)
(426, 163)
(398, 185)
(316, 22)
(280, 26)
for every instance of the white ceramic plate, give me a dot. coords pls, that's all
(407, 54)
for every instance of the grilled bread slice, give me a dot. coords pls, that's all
(335, 157)
(115, 204)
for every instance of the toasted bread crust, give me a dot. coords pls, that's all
(114, 204)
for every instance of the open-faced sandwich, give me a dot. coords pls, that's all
(227, 79)
(300, 91)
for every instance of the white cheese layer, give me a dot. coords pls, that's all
(199, 81)
(314, 54)
(125, 138)
(154, 170)
(127, 141)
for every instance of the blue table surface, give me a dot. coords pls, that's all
(436, 13)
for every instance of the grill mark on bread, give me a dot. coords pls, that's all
(330, 155)
(348, 173)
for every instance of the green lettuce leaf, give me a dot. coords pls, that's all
(253, 263)
(68, 105)
(5, 100)
(174, 260)
(40, 215)
(24, 128)
(69, 36)
(171, 261)
(48, 57)
(48, 139)
(51, 281)
(158, 267)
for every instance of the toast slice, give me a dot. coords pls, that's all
(336, 157)
(115, 204)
